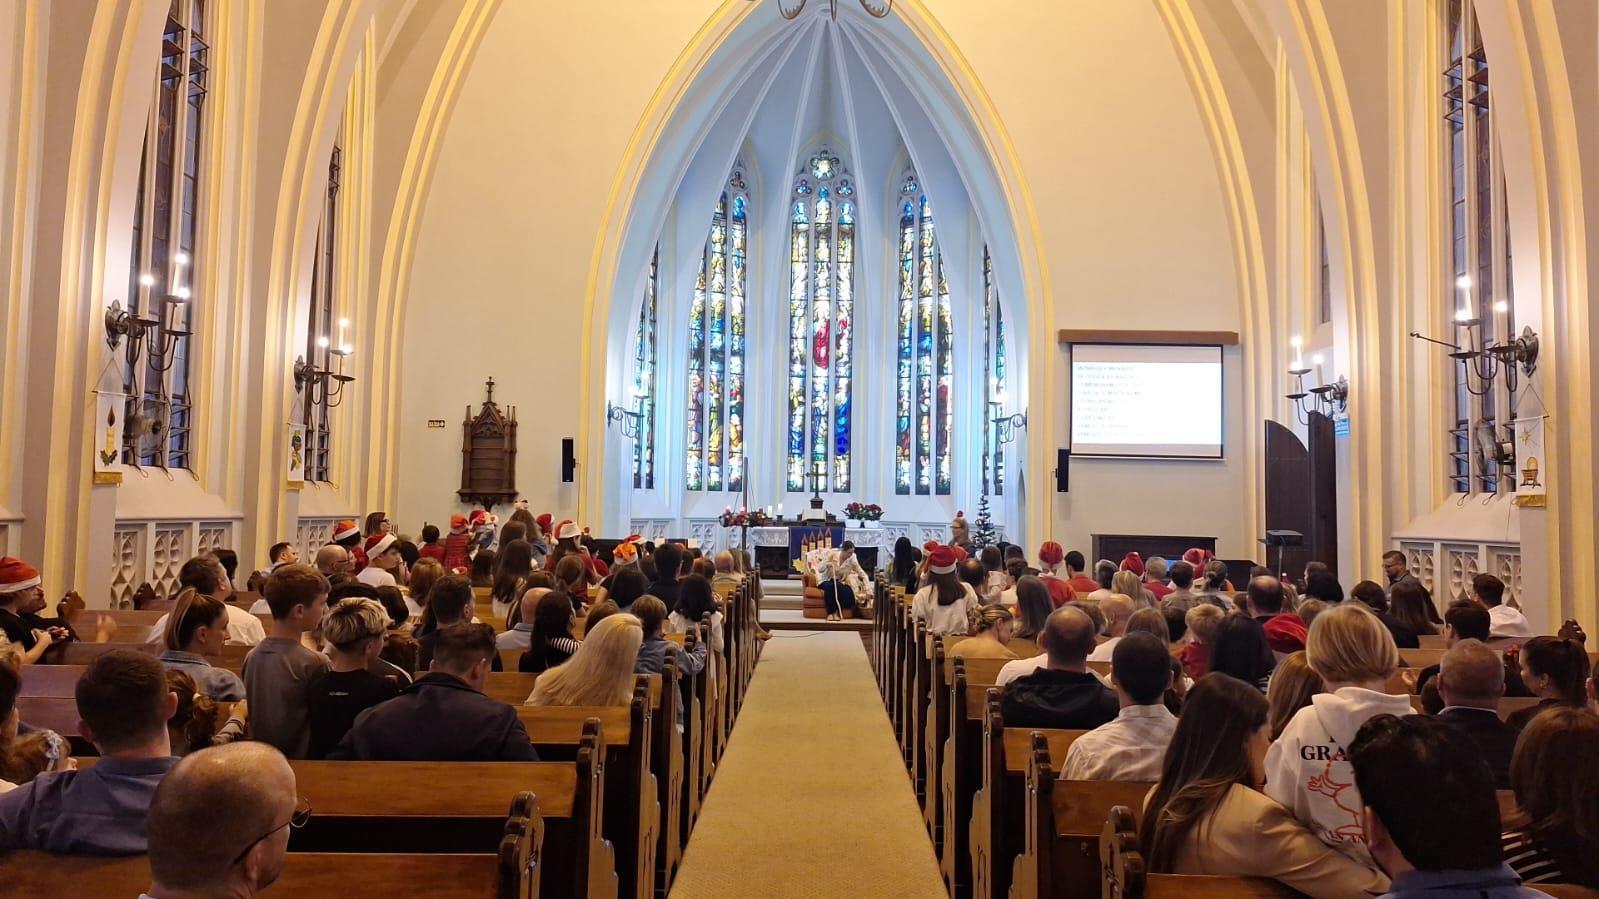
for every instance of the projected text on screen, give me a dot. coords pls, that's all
(1153, 401)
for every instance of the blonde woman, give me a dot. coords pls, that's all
(424, 574)
(990, 630)
(1290, 689)
(1307, 769)
(1129, 584)
(600, 673)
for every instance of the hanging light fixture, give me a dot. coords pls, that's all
(791, 9)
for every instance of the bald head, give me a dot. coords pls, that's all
(333, 559)
(724, 562)
(1471, 674)
(530, 603)
(1118, 609)
(1266, 595)
(209, 808)
(1069, 637)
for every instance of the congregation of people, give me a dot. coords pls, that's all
(1276, 721)
(373, 652)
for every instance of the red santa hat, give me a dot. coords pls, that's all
(929, 546)
(17, 575)
(627, 550)
(345, 529)
(457, 524)
(1051, 553)
(545, 521)
(478, 518)
(1198, 558)
(961, 554)
(1133, 562)
(941, 560)
(378, 544)
(567, 530)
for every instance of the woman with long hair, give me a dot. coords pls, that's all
(997, 579)
(1033, 606)
(1241, 650)
(511, 570)
(1555, 669)
(946, 602)
(990, 630)
(1554, 837)
(482, 571)
(1207, 814)
(628, 584)
(1130, 585)
(600, 672)
(196, 628)
(426, 573)
(1412, 608)
(907, 558)
(1291, 687)
(573, 578)
(695, 599)
(551, 642)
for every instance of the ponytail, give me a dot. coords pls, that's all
(192, 611)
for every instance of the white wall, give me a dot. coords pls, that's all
(1128, 200)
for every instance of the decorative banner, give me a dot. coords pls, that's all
(1530, 479)
(296, 456)
(108, 438)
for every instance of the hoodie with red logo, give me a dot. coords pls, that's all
(1308, 770)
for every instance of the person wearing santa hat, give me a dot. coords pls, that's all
(348, 535)
(946, 602)
(960, 533)
(457, 546)
(385, 567)
(1050, 557)
(22, 595)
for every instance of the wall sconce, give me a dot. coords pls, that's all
(326, 385)
(627, 418)
(1326, 399)
(1493, 360)
(160, 334)
(1005, 426)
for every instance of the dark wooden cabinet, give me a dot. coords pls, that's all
(488, 453)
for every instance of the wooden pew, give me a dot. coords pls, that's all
(79, 653)
(1064, 819)
(1508, 705)
(978, 671)
(632, 812)
(448, 875)
(999, 817)
(1123, 874)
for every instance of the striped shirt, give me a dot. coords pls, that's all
(1131, 747)
(1529, 859)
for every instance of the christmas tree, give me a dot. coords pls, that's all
(984, 534)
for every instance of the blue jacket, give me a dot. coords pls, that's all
(437, 719)
(1478, 883)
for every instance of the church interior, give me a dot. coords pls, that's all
(926, 338)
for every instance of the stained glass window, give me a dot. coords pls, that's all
(714, 449)
(1478, 264)
(925, 415)
(994, 380)
(161, 275)
(821, 354)
(644, 363)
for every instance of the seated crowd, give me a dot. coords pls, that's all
(1276, 724)
(374, 652)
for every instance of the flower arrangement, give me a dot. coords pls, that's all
(752, 518)
(863, 511)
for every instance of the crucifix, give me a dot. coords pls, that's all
(490, 385)
(816, 481)
(816, 512)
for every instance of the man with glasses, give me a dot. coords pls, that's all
(220, 822)
(124, 702)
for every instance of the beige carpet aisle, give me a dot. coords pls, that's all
(811, 799)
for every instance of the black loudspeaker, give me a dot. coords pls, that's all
(568, 460)
(1063, 471)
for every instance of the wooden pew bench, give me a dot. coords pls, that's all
(80, 653)
(1123, 873)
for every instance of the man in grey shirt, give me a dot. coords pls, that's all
(124, 702)
(278, 671)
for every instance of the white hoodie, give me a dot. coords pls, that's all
(1307, 769)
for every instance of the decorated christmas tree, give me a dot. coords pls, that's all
(984, 534)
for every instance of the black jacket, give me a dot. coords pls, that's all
(1066, 699)
(437, 719)
(1495, 739)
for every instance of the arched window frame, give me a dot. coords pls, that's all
(645, 360)
(925, 416)
(161, 271)
(822, 252)
(714, 444)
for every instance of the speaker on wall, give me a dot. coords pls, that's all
(1063, 471)
(568, 460)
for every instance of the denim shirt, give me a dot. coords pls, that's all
(1477, 883)
(97, 811)
(218, 683)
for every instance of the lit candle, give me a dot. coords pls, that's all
(344, 344)
(1299, 360)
